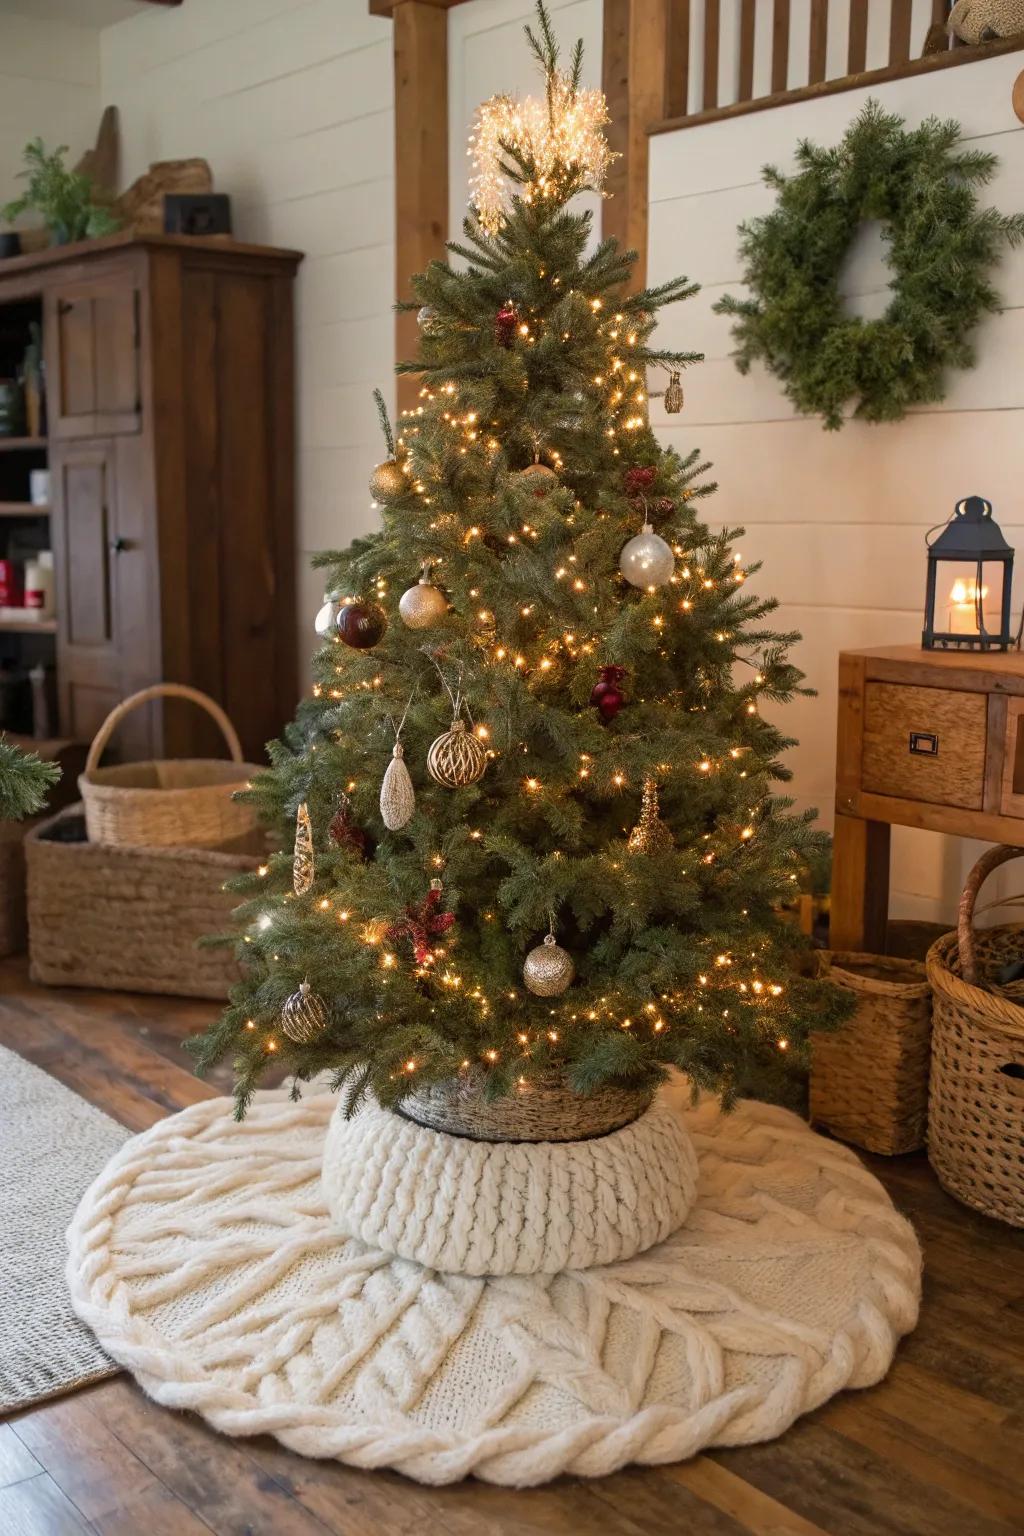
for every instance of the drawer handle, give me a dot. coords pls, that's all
(924, 743)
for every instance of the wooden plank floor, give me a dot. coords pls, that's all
(936, 1450)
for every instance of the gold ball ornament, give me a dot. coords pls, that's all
(423, 605)
(457, 758)
(539, 478)
(388, 482)
(304, 1015)
(548, 969)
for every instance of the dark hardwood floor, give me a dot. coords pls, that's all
(936, 1450)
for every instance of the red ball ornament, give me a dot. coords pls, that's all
(505, 322)
(361, 624)
(606, 693)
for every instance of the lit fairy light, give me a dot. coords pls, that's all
(560, 139)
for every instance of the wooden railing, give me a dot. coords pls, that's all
(729, 56)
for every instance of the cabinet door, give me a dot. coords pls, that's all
(93, 371)
(101, 562)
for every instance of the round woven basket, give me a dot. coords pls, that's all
(869, 1078)
(544, 1109)
(160, 804)
(976, 1091)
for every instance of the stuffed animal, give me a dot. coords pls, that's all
(983, 21)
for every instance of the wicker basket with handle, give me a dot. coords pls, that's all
(976, 1094)
(168, 804)
(869, 1079)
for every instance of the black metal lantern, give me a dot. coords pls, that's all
(970, 572)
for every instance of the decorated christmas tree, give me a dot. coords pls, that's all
(528, 816)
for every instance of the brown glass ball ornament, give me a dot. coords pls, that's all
(361, 624)
(388, 482)
(304, 1015)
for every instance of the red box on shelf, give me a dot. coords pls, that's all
(12, 584)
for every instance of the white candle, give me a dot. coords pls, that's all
(962, 615)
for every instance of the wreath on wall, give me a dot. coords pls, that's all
(941, 247)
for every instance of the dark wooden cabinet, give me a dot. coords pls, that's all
(170, 400)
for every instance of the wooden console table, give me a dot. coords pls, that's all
(931, 739)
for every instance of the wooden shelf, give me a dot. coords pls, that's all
(23, 509)
(28, 626)
(21, 444)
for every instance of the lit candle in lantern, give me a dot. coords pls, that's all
(964, 604)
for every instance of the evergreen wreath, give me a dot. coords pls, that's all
(941, 245)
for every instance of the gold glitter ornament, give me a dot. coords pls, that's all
(548, 969)
(424, 605)
(303, 871)
(397, 796)
(456, 758)
(539, 477)
(304, 1015)
(650, 835)
(388, 482)
(673, 395)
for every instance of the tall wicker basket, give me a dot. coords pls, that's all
(869, 1079)
(976, 1096)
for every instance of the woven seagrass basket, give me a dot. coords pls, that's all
(165, 803)
(128, 919)
(869, 1079)
(976, 1095)
(544, 1109)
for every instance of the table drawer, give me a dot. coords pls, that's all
(924, 744)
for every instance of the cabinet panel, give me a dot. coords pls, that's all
(86, 527)
(92, 328)
(100, 525)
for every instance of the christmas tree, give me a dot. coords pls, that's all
(528, 814)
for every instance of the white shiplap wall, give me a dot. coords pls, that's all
(840, 518)
(50, 86)
(291, 101)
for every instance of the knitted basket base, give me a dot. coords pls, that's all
(507, 1208)
(206, 1264)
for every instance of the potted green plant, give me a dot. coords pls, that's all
(64, 198)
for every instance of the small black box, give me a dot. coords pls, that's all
(197, 213)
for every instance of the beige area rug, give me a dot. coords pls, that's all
(52, 1145)
(206, 1261)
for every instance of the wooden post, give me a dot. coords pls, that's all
(421, 159)
(636, 37)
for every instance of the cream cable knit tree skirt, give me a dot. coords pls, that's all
(205, 1262)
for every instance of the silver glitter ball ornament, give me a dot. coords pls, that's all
(548, 969)
(647, 561)
(304, 1015)
(426, 319)
(423, 605)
